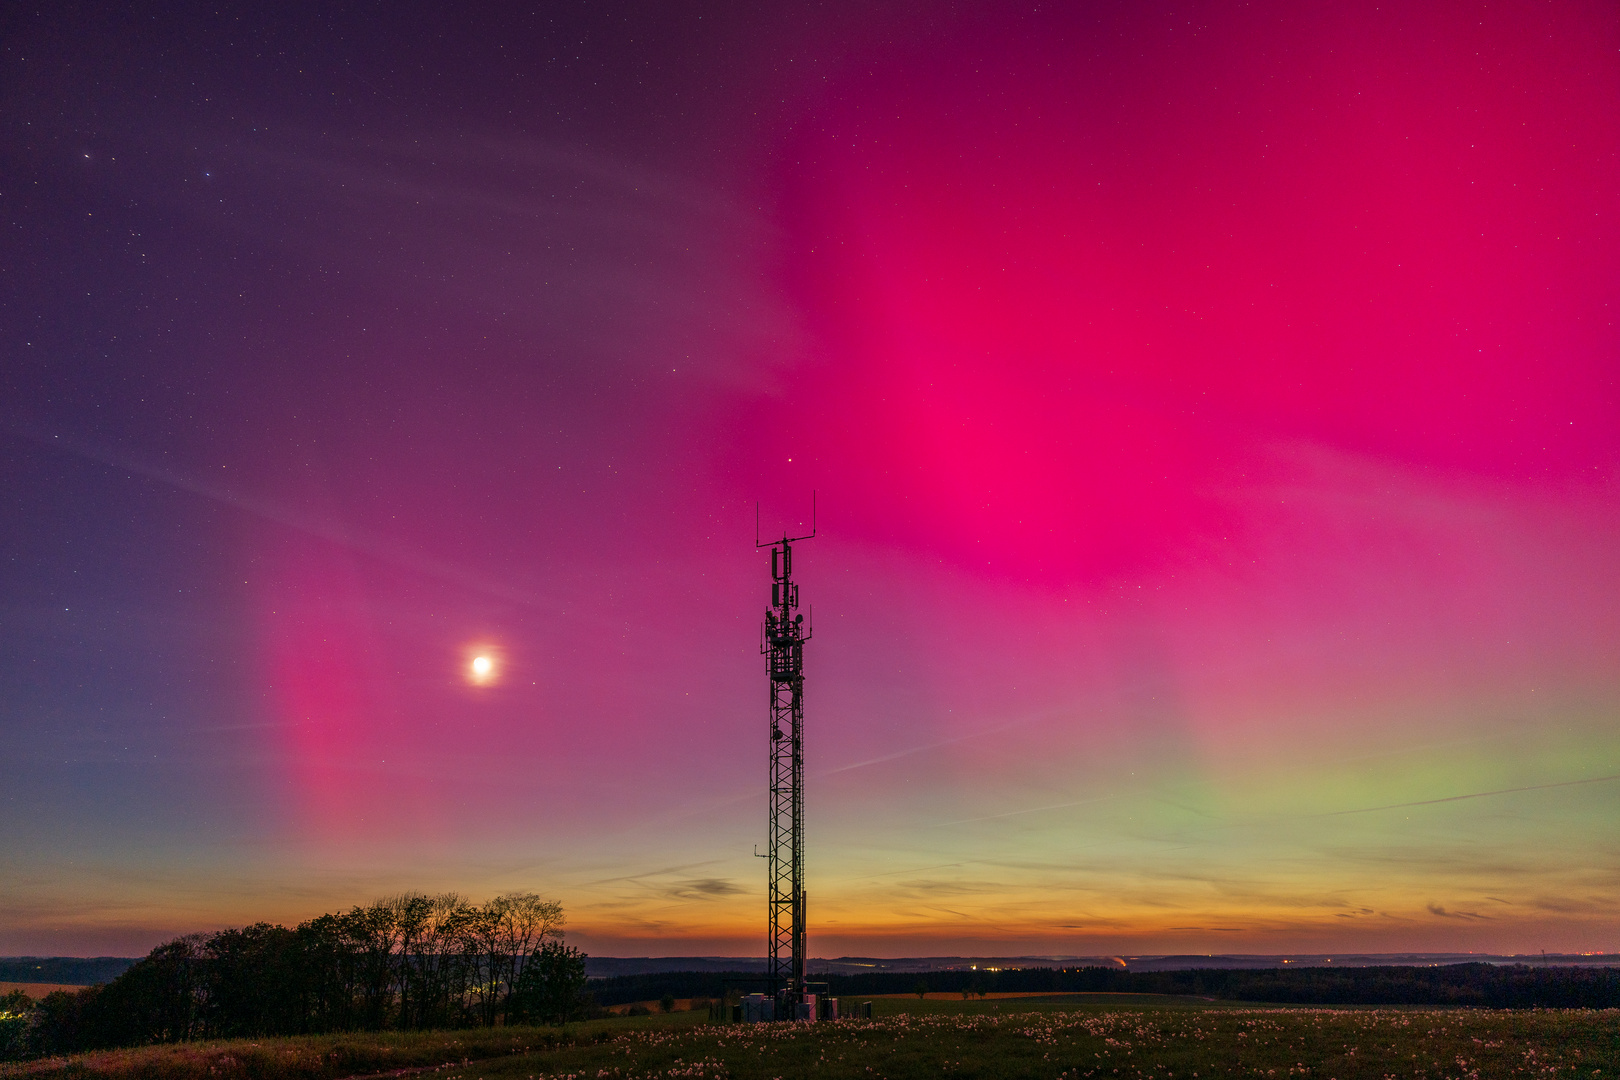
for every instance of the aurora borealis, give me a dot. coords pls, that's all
(1212, 411)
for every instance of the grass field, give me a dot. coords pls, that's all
(1061, 1037)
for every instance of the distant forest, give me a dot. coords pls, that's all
(413, 961)
(419, 961)
(1493, 986)
(72, 970)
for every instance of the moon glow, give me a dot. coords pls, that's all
(481, 669)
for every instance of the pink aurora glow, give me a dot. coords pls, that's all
(1214, 425)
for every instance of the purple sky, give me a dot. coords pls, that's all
(1212, 411)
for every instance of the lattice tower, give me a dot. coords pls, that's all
(784, 638)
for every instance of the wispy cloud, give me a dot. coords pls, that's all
(380, 547)
(1565, 905)
(1470, 795)
(1026, 810)
(584, 248)
(704, 888)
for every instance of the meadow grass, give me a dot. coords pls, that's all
(1048, 1039)
(326, 1057)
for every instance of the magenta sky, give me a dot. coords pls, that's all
(1212, 410)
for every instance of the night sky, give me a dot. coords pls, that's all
(1211, 410)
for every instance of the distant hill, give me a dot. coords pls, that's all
(87, 971)
(69, 970)
(607, 967)
(1470, 983)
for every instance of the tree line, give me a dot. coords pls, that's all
(1501, 986)
(76, 970)
(408, 962)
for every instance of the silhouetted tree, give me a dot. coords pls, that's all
(500, 935)
(373, 940)
(59, 1026)
(253, 978)
(551, 985)
(412, 914)
(410, 961)
(16, 1021)
(438, 969)
(160, 999)
(526, 924)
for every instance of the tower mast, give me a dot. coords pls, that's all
(784, 638)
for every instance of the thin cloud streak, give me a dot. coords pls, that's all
(1473, 795)
(1272, 820)
(366, 543)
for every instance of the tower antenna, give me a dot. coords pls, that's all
(783, 638)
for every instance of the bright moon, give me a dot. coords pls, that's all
(481, 670)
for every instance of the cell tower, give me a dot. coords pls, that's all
(784, 638)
